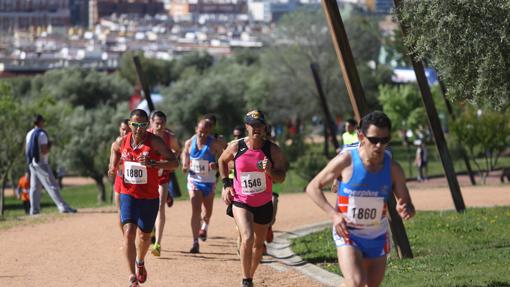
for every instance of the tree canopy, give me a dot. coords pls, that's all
(467, 42)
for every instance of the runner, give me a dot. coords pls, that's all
(360, 224)
(142, 154)
(199, 158)
(123, 130)
(257, 164)
(158, 127)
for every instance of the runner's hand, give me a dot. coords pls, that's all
(111, 173)
(405, 210)
(144, 159)
(227, 194)
(340, 225)
(213, 165)
(266, 165)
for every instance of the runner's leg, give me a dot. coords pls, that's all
(259, 231)
(244, 221)
(161, 219)
(350, 261)
(129, 245)
(375, 270)
(196, 208)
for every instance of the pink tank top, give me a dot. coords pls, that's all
(252, 185)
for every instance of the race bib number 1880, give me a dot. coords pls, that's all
(135, 173)
(365, 211)
(253, 182)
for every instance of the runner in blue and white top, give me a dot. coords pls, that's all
(368, 177)
(199, 160)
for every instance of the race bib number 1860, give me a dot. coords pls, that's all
(253, 182)
(365, 211)
(135, 173)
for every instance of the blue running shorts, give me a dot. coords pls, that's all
(369, 247)
(142, 212)
(205, 187)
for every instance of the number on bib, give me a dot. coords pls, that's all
(135, 173)
(253, 182)
(199, 166)
(365, 211)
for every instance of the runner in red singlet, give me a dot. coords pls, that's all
(158, 127)
(142, 154)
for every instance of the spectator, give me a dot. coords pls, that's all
(22, 192)
(37, 150)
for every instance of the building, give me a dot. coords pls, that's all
(130, 7)
(26, 14)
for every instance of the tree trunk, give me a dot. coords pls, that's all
(101, 197)
(2, 193)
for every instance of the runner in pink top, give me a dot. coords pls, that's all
(257, 164)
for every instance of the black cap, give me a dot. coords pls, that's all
(253, 117)
(37, 119)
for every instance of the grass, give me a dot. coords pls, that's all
(450, 249)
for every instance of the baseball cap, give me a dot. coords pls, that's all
(253, 117)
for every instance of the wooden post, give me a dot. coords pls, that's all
(143, 83)
(435, 125)
(452, 115)
(329, 123)
(360, 108)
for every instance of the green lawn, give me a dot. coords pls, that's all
(450, 249)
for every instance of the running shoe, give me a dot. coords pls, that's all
(156, 249)
(248, 282)
(141, 272)
(133, 282)
(202, 234)
(169, 201)
(195, 249)
(269, 235)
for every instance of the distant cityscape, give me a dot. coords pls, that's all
(38, 35)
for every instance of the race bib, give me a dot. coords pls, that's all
(253, 182)
(199, 166)
(365, 211)
(135, 173)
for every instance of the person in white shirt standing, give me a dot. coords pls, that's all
(37, 149)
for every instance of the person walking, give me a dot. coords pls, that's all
(257, 164)
(158, 127)
(37, 149)
(199, 160)
(421, 160)
(368, 177)
(141, 154)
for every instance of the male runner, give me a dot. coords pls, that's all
(199, 159)
(142, 154)
(360, 225)
(158, 127)
(257, 164)
(123, 130)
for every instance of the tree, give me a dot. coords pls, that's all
(485, 134)
(467, 42)
(88, 149)
(219, 90)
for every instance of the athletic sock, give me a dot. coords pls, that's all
(204, 226)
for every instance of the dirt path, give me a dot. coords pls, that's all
(84, 249)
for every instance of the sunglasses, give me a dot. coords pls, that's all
(139, 125)
(257, 125)
(376, 140)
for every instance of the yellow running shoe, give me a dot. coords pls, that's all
(156, 249)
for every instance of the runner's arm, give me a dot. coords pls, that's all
(185, 156)
(405, 207)
(114, 157)
(332, 171)
(279, 168)
(169, 160)
(226, 157)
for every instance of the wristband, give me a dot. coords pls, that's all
(152, 163)
(227, 182)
